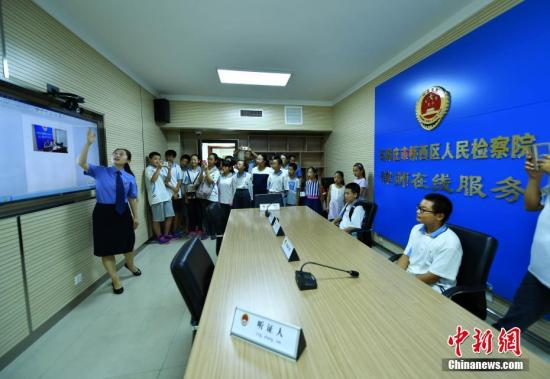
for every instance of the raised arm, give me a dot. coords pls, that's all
(83, 158)
(532, 192)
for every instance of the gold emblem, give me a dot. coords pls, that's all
(432, 106)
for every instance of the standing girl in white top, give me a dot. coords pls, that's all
(226, 188)
(191, 178)
(243, 187)
(211, 175)
(335, 198)
(360, 178)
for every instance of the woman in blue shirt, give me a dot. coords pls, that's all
(113, 224)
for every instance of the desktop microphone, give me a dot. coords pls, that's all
(306, 280)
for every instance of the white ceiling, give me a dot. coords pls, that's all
(173, 47)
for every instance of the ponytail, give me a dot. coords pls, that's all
(128, 169)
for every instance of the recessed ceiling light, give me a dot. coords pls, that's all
(253, 78)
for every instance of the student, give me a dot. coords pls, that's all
(243, 187)
(292, 159)
(192, 177)
(313, 191)
(249, 157)
(113, 223)
(184, 223)
(277, 181)
(433, 252)
(359, 172)
(174, 186)
(335, 199)
(211, 175)
(260, 174)
(532, 298)
(293, 186)
(284, 164)
(351, 216)
(157, 175)
(226, 189)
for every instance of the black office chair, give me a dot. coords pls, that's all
(365, 233)
(268, 198)
(478, 252)
(192, 270)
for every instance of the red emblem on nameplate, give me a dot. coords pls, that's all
(432, 106)
(244, 319)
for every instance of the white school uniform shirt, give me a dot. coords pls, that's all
(215, 175)
(244, 181)
(190, 177)
(176, 174)
(157, 191)
(226, 188)
(265, 171)
(439, 253)
(356, 218)
(293, 188)
(540, 249)
(277, 182)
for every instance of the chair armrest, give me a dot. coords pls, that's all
(463, 289)
(394, 257)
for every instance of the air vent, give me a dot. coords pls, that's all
(251, 113)
(293, 115)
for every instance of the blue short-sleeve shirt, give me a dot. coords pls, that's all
(105, 183)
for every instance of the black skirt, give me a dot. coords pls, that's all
(113, 233)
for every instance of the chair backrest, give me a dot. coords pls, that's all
(478, 252)
(192, 270)
(268, 198)
(370, 213)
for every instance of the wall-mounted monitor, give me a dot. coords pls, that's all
(39, 147)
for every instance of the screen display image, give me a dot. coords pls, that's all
(49, 139)
(39, 149)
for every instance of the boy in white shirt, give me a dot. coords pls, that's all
(160, 198)
(434, 252)
(277, 181)
(175, 187)
(293, 186)
(352, 215)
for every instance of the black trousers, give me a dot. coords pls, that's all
(195, 215)
(531, 302)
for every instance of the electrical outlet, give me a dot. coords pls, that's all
(78, 279)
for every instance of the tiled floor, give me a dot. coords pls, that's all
(142, 334)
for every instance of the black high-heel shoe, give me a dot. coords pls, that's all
(117, 291)
(136, 273)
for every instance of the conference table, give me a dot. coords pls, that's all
(385, 323)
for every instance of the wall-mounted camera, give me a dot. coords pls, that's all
(70, 101)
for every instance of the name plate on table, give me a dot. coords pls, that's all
(289, 250)
(277, 337)
(271, 207)
(272, 218)
(277, 229)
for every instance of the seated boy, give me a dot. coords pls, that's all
(352, 215)
(433, 252)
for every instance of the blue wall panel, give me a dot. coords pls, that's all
(499, 78)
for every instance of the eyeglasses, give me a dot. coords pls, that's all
(422, 210)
